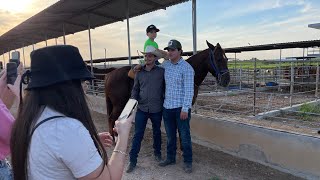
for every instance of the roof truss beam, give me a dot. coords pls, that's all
(106, 16)
(152, 3)
(75, 24)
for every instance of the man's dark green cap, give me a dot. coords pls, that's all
(173, 44)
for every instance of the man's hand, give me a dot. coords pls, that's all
(183, 115)
(137, 68)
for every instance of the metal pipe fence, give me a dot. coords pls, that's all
(263, 90)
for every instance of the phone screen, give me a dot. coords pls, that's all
(15, 55)
(130, 106)
(11, 72)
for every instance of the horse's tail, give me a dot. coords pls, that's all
(108, 100)
(109, 106)
(106, 77)
(109, 115)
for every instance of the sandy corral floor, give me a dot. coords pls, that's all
(208, 164)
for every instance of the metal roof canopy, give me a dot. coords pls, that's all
(69, 16)
(263, 47)
(302, 57)
(316, 25)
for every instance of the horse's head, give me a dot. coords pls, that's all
(218, 64)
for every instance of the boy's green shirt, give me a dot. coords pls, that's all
(150, 43)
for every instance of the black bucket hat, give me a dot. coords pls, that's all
(56, 64)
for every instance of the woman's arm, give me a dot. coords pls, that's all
(114, 168)
(6, 121)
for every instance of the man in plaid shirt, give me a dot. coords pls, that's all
(179, 80)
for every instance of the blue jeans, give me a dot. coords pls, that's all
(5, 171)
(172, 122)
(140, 126)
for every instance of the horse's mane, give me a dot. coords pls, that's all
(196, 60)
(196, 56)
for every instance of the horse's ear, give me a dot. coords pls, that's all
(210, 45)
(218, 47)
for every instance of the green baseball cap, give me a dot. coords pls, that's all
(173, 44)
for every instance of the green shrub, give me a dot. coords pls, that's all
(308, 108)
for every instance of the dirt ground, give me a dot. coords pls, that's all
(208, 164)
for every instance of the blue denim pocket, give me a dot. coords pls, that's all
(5, 171)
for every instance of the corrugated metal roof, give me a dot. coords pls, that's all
(316, 25)
(73, 14)
(263, 47)
(286, 45)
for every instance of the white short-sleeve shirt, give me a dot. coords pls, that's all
(61, 148)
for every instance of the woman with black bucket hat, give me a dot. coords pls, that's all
(54, 136)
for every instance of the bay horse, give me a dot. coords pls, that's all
(118, 85)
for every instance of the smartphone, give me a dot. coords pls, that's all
(128, 109)
(15, 55)
(11, 72)
(15, 61)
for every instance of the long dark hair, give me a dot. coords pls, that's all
(67, 98)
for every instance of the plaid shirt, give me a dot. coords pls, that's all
(179, 79)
